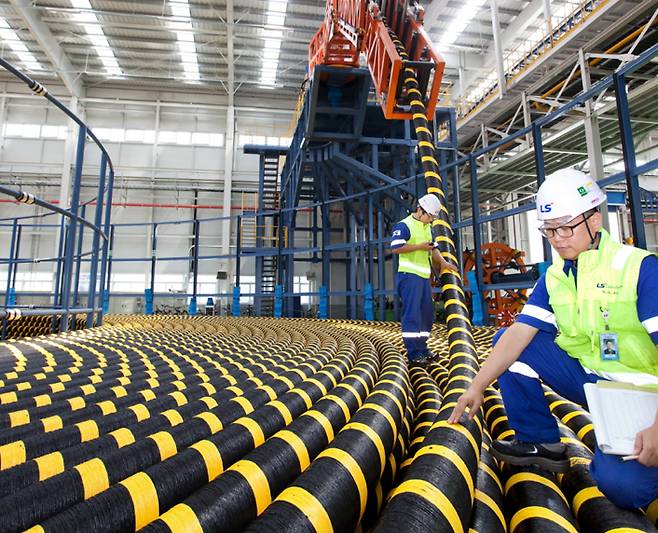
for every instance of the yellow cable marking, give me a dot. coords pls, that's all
(52, 423)
(182, 519)
(87, 389)
(93, 475)
(19, 418)
(144, 497)
(256, 432)
(56, 387)
(107, 407)
(324, 422)
(319, 385)
(211, 403)
(354, 392)
(77, 403)
(584, 495)
(349, 463)
(88, 430)
(652, 511)
(41, 400)
(460, 429)
(165, 443)
(257, 482)
(505, 434)
(569, 416)
(214, 423)
(383, 412)
(173, 416)
(489, 502)
(309, 506)
(535, 511)
(374, 437)
(584, 430)
(269, 391)
(123, 437)
(50, 465)
(119, 391)
(283, 410)
(529, 476)
(390, 395)
(486, 468)
(557, 403)
(434, 496)
(148, 395)
(298, 447)
(428, 159)
(341, 403)
(443, 451)
(211, 456)
(304, 396)
(141, 412)
(290, 384)
(244, 403)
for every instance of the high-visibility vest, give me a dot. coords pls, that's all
(606, 289)
(417, 262)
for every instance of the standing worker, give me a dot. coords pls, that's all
(598, 296)
(412, 240)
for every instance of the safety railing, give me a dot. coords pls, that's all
(67, 263)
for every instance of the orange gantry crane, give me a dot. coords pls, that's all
(355, 27)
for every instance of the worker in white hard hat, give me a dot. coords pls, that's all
(593, 315)
(412, 240)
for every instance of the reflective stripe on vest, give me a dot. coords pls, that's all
(607, 279)
(417, 262)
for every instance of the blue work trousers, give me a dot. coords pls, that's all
(417, 313)
(628, 484)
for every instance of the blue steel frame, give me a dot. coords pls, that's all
(70, 254)
(361, 204)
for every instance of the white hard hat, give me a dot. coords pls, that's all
(430, 204)
(566, 194)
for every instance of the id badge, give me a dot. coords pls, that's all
(609, 345)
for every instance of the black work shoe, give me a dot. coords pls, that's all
(548, 456)
(423, 361)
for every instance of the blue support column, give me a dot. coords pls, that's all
(369, 303)
(154, 248)
(381, 267)
(9, 298)
(71, 233)
(477, 237)
(93, 266)
(477, 301)
(106, 258)
(78, 260)
(148, 301)
(235, 307)
(192, 309)
(58, 273)
(630, 163)
(278, 301)
(324, 303)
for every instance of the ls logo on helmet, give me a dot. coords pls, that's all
(546, 208)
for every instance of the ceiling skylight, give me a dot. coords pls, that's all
(11, 39)
(184, 30)
(273, 34)
(457, 25)
(96, 36)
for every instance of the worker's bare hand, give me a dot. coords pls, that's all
(646, 446)
(448, 266)
(427, 246)
(471, 399)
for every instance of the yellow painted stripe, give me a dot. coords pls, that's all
(50, 465)
(383, 412)
(534, 511)
(390, 395)
(283, 409)
(141, 411)
(339, 401)
(107, 407)
(41, 400)
(297, 445)
(269, 391)
(244, 403)
(88, 389)
(428, 159)
(304, 396)
(256, 432)
(349, 463)
(88, 430)
(182, 519)
(453, 301)
(309, 506)
(443, 451)
(123, 437)
(486, 468)
(460, 429)
(165, 443)
(529, 476)
(77, 403)
(584, 495)
(319, 385)
(8, 397)
(148, 395)
(372, 435)
(144, 497)
(434, 496)
(94, 477)
(290, 384)
(211, 456)
(257, 481)
(210, 402)
(19, 418)
(52, 423)
(324, 422)
(173, 416)
(489, 502)
(214, 423)
(584, 430)
(179, 398)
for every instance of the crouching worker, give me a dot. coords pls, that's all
(412, 240)
(598, 296)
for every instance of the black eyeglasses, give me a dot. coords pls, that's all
(426, 213)
(562, 231)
